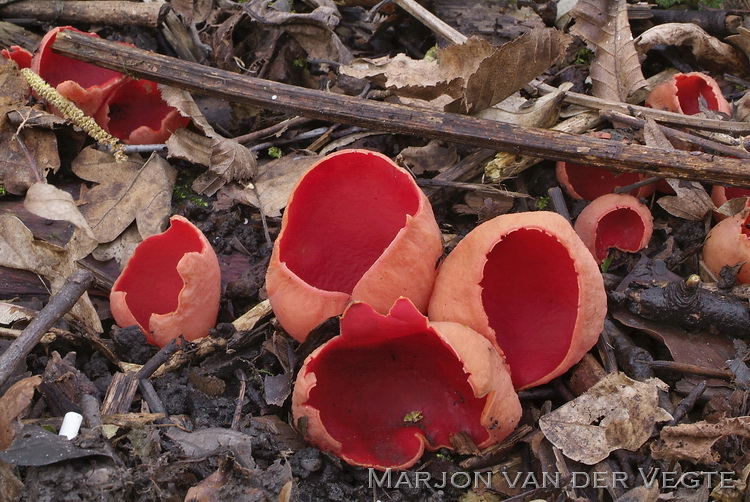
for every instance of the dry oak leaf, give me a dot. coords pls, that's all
(20, 250)
(616, 413)
(474, 75)
(313, 31)
(615, 72)
(226, 159)
(708, 50)
(692, 202)
(12, 404)
(125, 192)
(16, 169)
(694, 442)
(273, 186)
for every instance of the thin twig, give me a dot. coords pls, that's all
(438, 26)
(268, 131)
(240, 400)
(704, 143)
(77, 284)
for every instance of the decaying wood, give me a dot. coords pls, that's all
(78, 282)
(698, 141)
(658, 115)
(132, 420)
(89, 12)
(119, 393)
(12, 34)
(402, 119)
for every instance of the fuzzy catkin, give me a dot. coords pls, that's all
(71, 112)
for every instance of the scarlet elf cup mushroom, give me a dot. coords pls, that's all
(356, 228)
(170, 286)
(614, 221)
(685, 92)
(131, 110)
(728, 244)
(391, 386)
(527, 282)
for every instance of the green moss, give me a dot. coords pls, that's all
(542, 202)
(275, 152)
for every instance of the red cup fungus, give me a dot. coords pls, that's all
(391, 386)
(21, 56)
(136, 113)
(728, 244)
(526, 281)
(131, 110)
(683, 93)
(356, 228)
(170, 286)
(83, 83)
(589, 182)
(614, 221)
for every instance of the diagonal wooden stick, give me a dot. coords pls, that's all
(402, 119)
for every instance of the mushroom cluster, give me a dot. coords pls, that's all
(129, 109)
(517, 303)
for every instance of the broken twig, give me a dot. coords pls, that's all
(78, 282)
(402, 119)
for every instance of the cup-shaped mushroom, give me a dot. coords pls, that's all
(357, 227)
(686, 93)
(83, 83)
(391, 386)
(136, 113)
(526, 281)
(728, 244)
(589, 182)
(170, 286)
(21, 56)
(617, 221)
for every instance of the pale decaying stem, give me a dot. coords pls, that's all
(71, 112)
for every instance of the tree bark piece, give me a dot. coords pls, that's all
(403, 119)
(108, 13)
(78, 282)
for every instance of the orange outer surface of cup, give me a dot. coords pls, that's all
(197, 303)
(407, 267)
(458, 293)
(483, 365)
(728, 243)
(626, 223)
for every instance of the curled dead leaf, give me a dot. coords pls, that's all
(474, 75)
(616, 413)
(226, 159)
(615, 72)
(19, 249)
(707, 49)
(125, 192)
(12, 404)
(694, 442)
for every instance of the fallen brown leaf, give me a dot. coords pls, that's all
(475, 74)
(541, 112)
(12, 404)
(692, 202)
(226, 159)
(125, 192)
(17, 168)
(694, 442)
(273, 185)
(12, 486)
(436, 156)
(615, 71)
(616, 413)
(19, 249)
(707, 49)
(313, 31)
